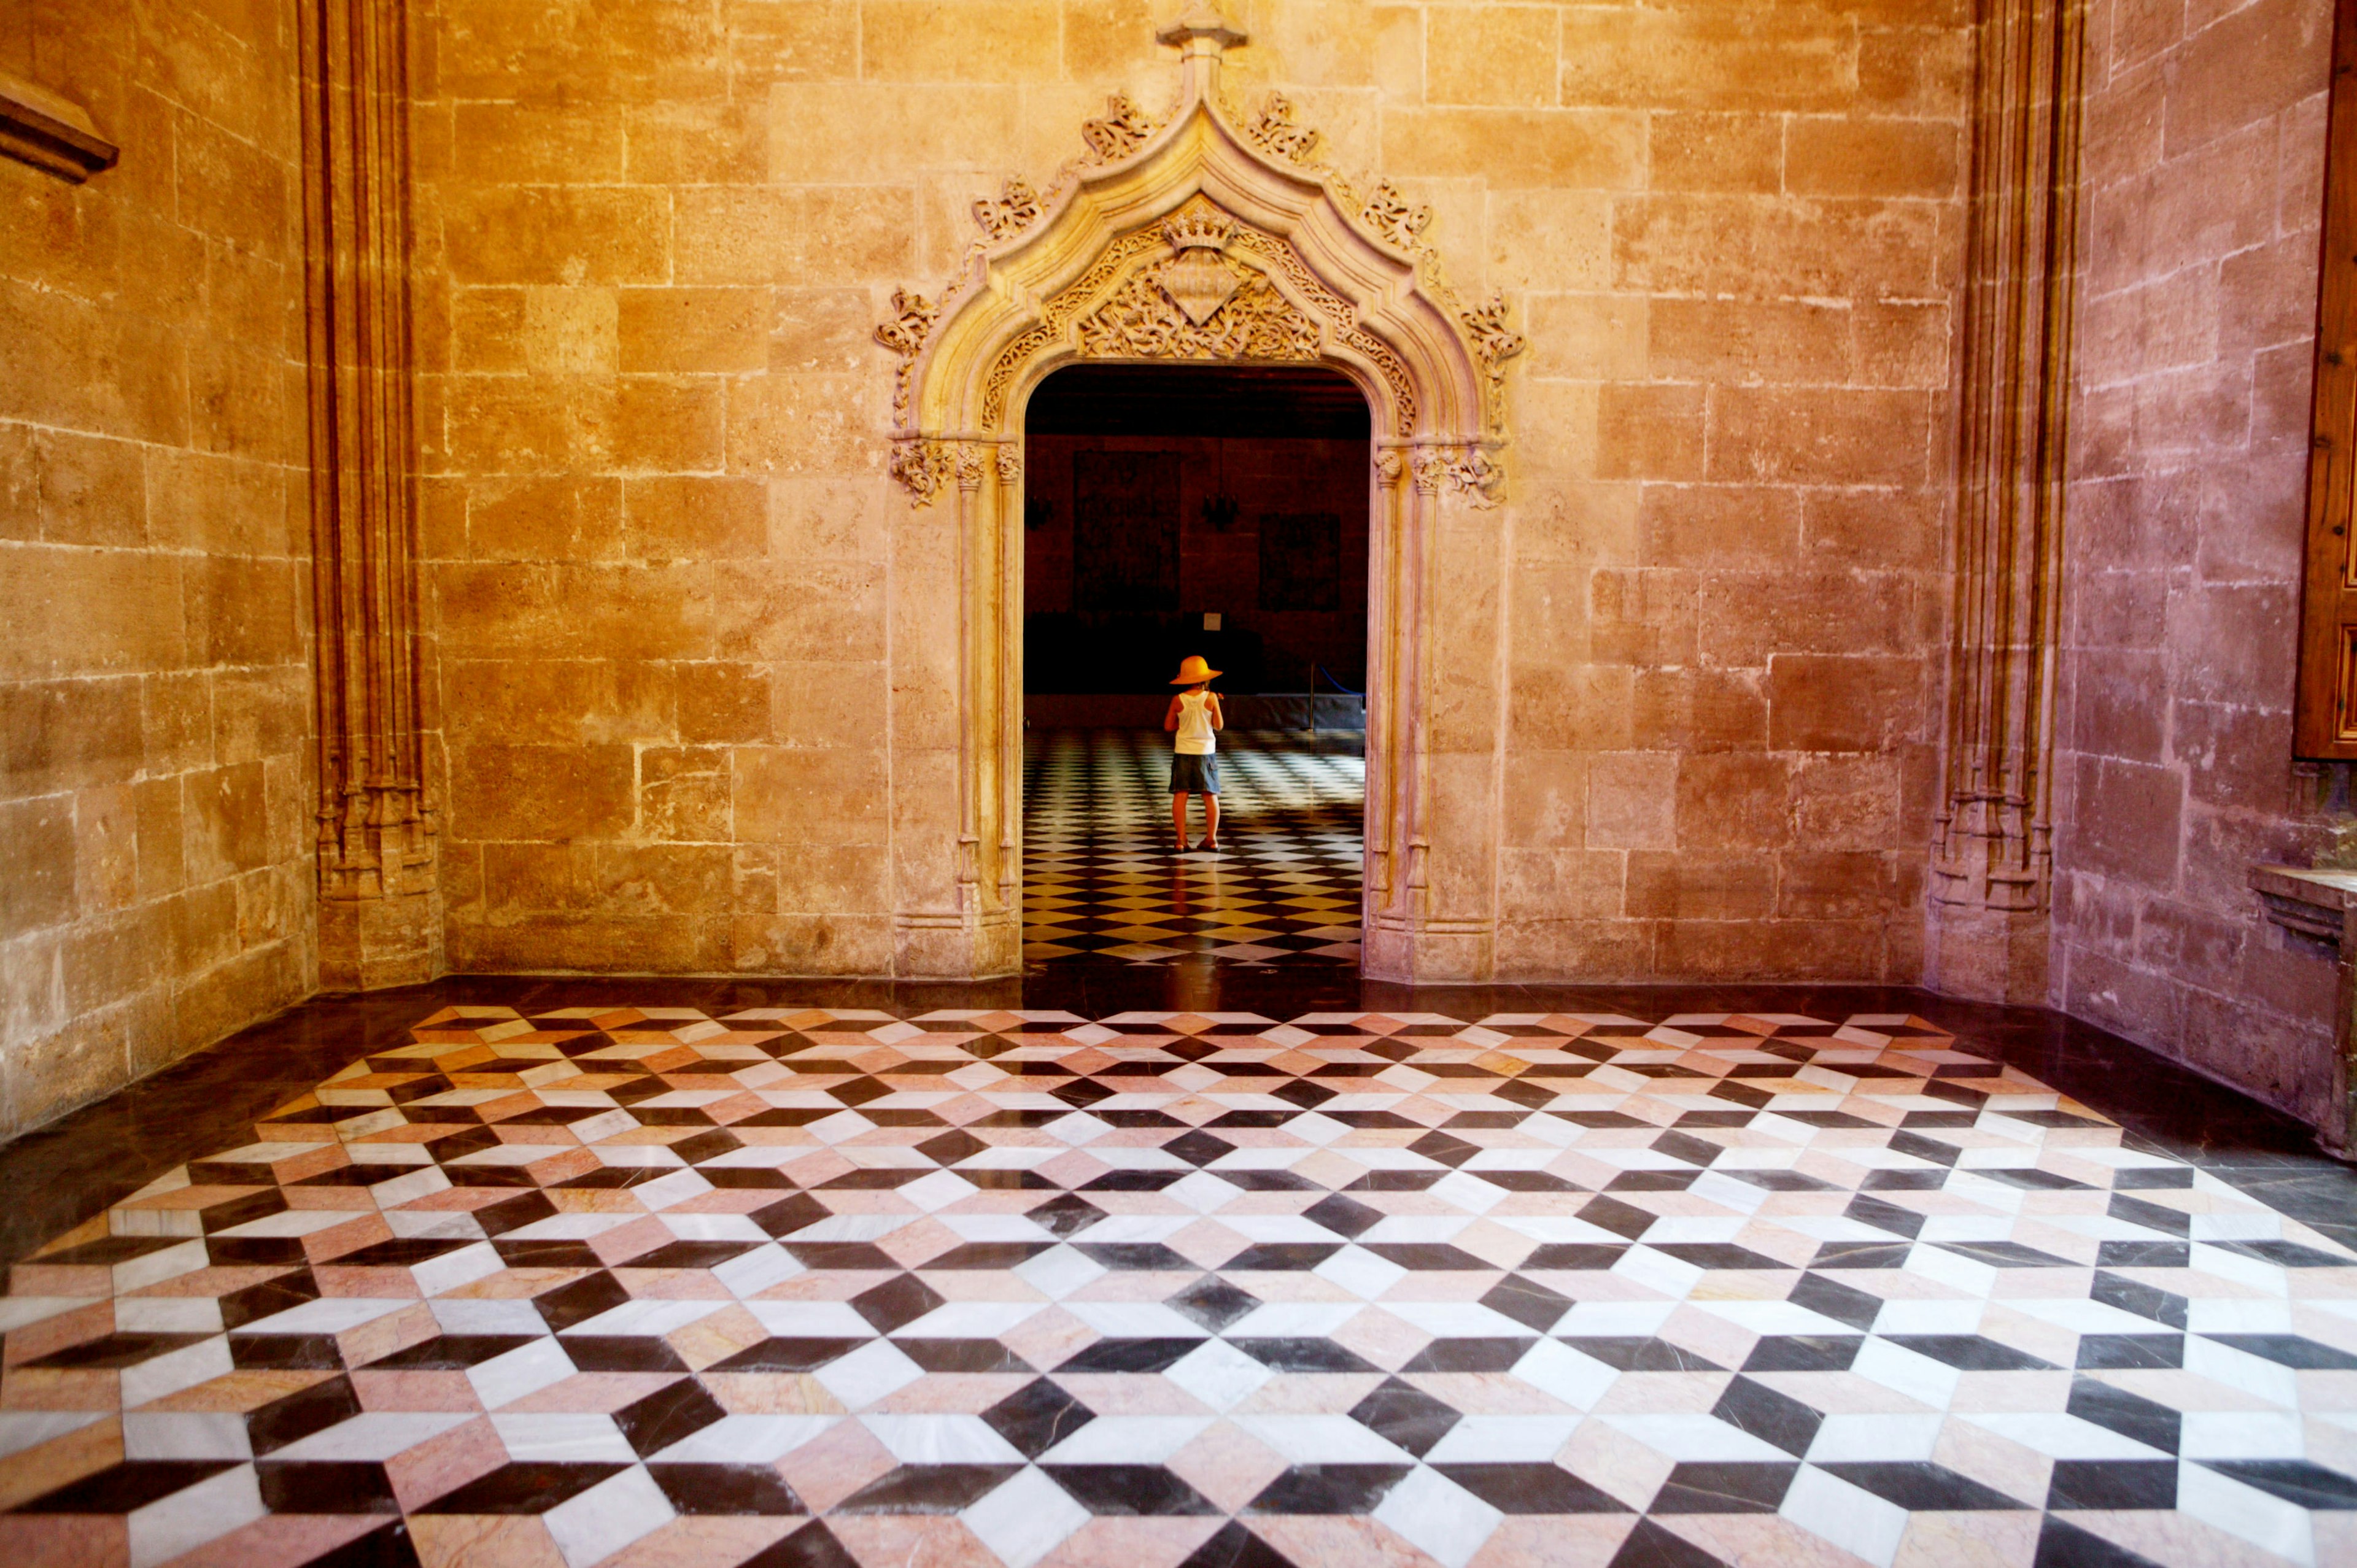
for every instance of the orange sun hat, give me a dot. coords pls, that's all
(1193, 670)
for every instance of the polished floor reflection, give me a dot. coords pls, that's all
(736, 1280)
(1101, 881)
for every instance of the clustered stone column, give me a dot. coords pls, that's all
(379, 918)
(1992, 855)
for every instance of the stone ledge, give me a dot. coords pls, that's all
(2314, 902)
(50, 133)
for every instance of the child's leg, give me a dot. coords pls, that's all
(1179, 816)
(1211, 820)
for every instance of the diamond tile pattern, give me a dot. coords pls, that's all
(1100, 880)
(836, 1287)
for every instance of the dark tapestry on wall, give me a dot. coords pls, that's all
(1300, 561)
(1125, 531)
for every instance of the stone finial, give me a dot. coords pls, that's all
(1202, 30)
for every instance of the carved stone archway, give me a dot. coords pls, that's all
(1215, 235)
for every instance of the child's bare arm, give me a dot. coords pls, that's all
(1170, 715)
(1219, 719)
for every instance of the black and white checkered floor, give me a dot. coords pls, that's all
(1100, 880)
(792, 1286)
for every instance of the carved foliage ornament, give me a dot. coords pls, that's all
(912, 318)
(1018, 208)
(1273, 132)
(1389, 215)
(1123, 130)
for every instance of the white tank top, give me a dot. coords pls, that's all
(1195, 736)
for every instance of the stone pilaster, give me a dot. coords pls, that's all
(380, 910)
(1992, 852)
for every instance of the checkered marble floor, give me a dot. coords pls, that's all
(1100, 880)
(833, 1288)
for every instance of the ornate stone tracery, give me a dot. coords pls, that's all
(1197, 305)
(1212, 235)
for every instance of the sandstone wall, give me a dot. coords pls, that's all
(2204, 193)
(155, 698)
(693, 658)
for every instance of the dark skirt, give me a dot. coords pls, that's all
(1194, 775)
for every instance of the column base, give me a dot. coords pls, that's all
(373, 944)
(1988, 955)
(956, 947)
(1431, 952)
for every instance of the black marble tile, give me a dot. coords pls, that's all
(1327, 1490)
(1234, 1546)
(1970, 1352)
(2112, 1484)
(669, 1415)
(1919, 1485)
(1038, 1416)
(339, 1486)
(2130, 1414)
(1772, 1417)
(125, 1486)
(2289, 1350)
(926, 1489)
(1724, 1486)
(725, 1489)
(1133, 1489)
(522, 1488)
(1532, 1488)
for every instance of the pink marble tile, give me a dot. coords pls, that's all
(836, 1464)
(381, 1336)
(1131, 1543)
(1227, 1465)
(597, 1393)
(1331, 1539)
(1764, 1537)
(704, 1541)
(961, 1393)
(445, 1462)
(883, 1541)
(65, 1540)
(1573, 1541)
(483, 1540)
(414, 1390)
(1121, 1393)
(1048, 1337)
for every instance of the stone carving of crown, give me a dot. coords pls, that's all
(1198, 230)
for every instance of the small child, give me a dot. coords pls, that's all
(1193, 717)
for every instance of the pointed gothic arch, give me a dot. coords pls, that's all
(1215, 236)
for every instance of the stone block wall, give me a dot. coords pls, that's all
(692, 657)
(2204, 194)
(154, 689)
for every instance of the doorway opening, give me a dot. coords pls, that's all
(1218, 511)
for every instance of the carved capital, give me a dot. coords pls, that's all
(922, 466)
(1010, 463)
(1389, 467)
(1467, 471)
(966, 460)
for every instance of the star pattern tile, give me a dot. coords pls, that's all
(1101, 881)
(832, 1286)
